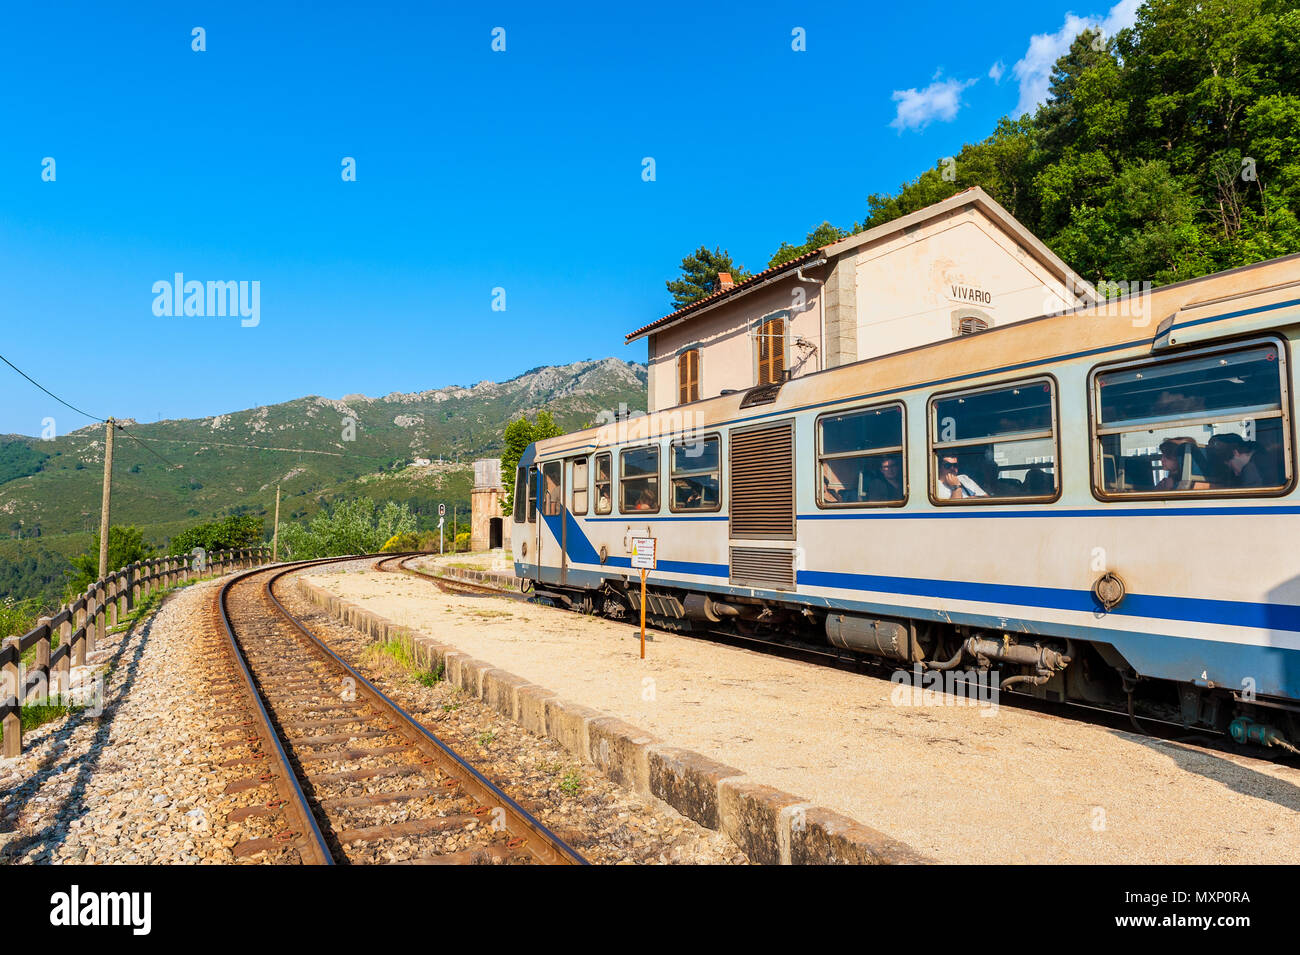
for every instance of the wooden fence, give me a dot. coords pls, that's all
(82, 623)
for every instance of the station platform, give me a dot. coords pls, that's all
(802, 763)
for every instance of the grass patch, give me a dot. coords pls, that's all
(486, 737)
(33, 715)
(401, 654)
(490, 613)
(139, 611)
(571, 784)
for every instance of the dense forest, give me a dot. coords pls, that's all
(1164, 152)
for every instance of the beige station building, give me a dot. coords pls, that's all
(954, 268)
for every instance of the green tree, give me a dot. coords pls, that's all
(227, 534)
(519, 434)
(700, 275)
(824, 234)
(357, 526)
(125, 546)
(1168, 151)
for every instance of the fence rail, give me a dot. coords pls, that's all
(80, 624)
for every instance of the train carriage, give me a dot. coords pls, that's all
(1098, 506)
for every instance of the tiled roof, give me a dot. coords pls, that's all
(737, 289)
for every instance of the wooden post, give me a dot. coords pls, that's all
(94, 615)
(9, 690)
(275, 531)
(79, 646)
(642, 613)
(110, 427)
(41, 661)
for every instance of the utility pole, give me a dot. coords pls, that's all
(455, 508)
(275, 534)
(110, 426)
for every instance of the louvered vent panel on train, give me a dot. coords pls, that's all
(762, 483)
(763, 567)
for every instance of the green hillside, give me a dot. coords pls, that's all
(318, 449)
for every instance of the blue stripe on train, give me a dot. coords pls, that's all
(1264, 616)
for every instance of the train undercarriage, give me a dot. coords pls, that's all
(956, 657)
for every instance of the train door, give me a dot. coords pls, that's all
(524, 539)
(550, 529)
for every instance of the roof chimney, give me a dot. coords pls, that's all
(725, 281)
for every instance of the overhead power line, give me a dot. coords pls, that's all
(50, 393)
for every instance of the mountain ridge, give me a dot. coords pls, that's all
(318, 449)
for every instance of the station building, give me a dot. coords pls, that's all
(954, 268)
(486, 525)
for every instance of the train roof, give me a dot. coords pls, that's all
(1212, 306)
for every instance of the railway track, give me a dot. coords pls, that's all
(355, 777)
(448, 585)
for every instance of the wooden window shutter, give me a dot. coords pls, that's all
(688, 376)
(771, 351)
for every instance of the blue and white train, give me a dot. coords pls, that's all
(1098, 506)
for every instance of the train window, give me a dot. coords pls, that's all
(579, 503)
(552, 503)
(860, 460)
(521, 493)
(994, 444)
(532, 495)
(1212, 423)
(604, 485)
(696, 475)
(639, 479)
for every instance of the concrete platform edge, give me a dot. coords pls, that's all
(770, 826)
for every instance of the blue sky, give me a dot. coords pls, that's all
(475, 170)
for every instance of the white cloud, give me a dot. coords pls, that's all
(940, 100)
(996, 71)
(1034, 69)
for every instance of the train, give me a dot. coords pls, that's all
(1095, 507)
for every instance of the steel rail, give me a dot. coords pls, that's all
(311, 844)
(541, 841)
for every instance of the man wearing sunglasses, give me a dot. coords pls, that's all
(953, 484)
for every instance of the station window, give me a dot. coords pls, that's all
(604, 484)
(696, 475)
(860, 460)
(532, 495)
(521, 493)
(771, 350)
(688, 376)
(994, 444)
(1212, 423)
(579, 503)
(639, 479)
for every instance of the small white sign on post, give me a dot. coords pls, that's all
(643, 553)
